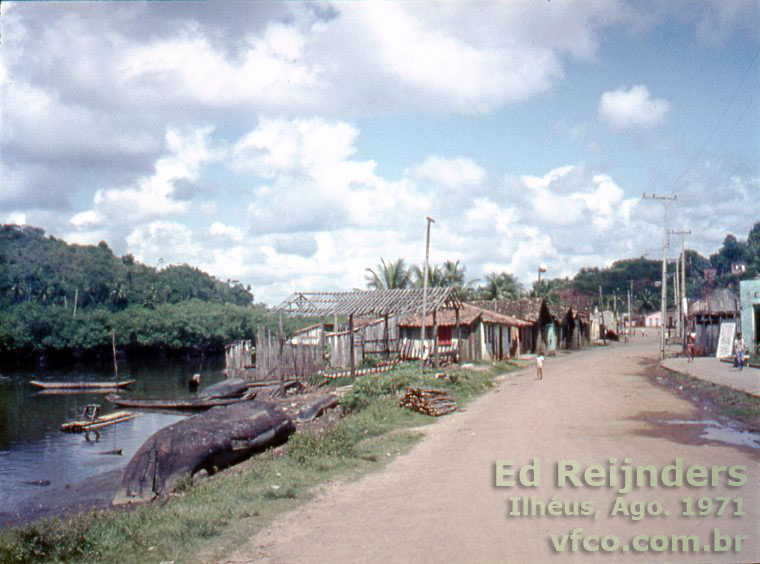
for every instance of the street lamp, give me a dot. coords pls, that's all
(541, 268)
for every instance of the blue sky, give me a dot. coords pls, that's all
(291, 145)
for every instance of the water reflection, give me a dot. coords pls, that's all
(32, 448)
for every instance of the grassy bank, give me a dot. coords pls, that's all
(209, 517)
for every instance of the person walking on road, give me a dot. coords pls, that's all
(739, 350)
(539, 366)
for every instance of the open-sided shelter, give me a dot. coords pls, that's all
(368, 308)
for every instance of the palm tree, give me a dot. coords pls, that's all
(453, 274)
(435, 276)
(647, 301)
(546, 290)
(503, 286)
(388, 276)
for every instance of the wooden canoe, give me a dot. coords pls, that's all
(73, 391)
(184, 404)
(80, 385)
(82, 425)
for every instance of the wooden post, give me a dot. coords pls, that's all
(459, 334)
(76, 299)
(435, 340)
(113, 347)
(351, 344)
(386, 347)
(282, 346)
(424, 290)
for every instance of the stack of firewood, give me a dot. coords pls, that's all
(430, 401)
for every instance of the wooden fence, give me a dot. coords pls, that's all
(285, 360)
(238, 360)
(271, 359)
(378, 339)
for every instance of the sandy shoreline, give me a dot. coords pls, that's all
(95, 492)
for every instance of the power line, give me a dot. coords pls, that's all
(702, 149)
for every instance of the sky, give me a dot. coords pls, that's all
(291, 145)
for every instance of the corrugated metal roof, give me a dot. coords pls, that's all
(721, 300)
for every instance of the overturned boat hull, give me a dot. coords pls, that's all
(209, 441)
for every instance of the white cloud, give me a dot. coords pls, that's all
(16, 218)
(226, 231)
(164, 242)
(152, 196)
(626, 109)
(459, 172)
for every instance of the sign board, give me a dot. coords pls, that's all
(726, 339)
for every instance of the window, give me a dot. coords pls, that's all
(444, 336)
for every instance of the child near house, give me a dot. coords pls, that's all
(540, 366)
(739, 348)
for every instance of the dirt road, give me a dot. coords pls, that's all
(439, 503)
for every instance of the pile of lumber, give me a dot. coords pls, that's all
(430, 401)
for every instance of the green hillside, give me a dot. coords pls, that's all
(61, 299)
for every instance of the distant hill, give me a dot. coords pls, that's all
(49, 271)
(61, 300)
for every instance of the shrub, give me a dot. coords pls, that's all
(336, 441)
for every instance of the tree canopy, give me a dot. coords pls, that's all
(60, 298)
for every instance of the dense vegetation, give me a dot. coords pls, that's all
(61, 299)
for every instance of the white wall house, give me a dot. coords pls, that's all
(655, 319)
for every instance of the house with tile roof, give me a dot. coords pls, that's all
(465, 333)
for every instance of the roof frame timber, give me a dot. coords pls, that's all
(366, 302)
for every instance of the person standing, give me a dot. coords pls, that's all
(539, 366)
(739, 350)
(691, 341)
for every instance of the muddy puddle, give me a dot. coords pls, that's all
(713, 431)
(710, 423)
(699, 431)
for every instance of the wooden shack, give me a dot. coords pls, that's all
(543, 332)
(706, 315)
(472, 333)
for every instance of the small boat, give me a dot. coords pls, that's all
(91, 421)
(73, 391)
(183, 404)
(80, 385)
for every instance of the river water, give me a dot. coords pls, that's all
(33, 449)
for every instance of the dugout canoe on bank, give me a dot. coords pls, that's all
(80, 385)
(181, 404)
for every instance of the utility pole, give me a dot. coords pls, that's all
(602, 329)
(665, 244)
(676, 298)
(681, 298)
(630, 321)
(424, 291)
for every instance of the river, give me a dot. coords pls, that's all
(33, 449)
